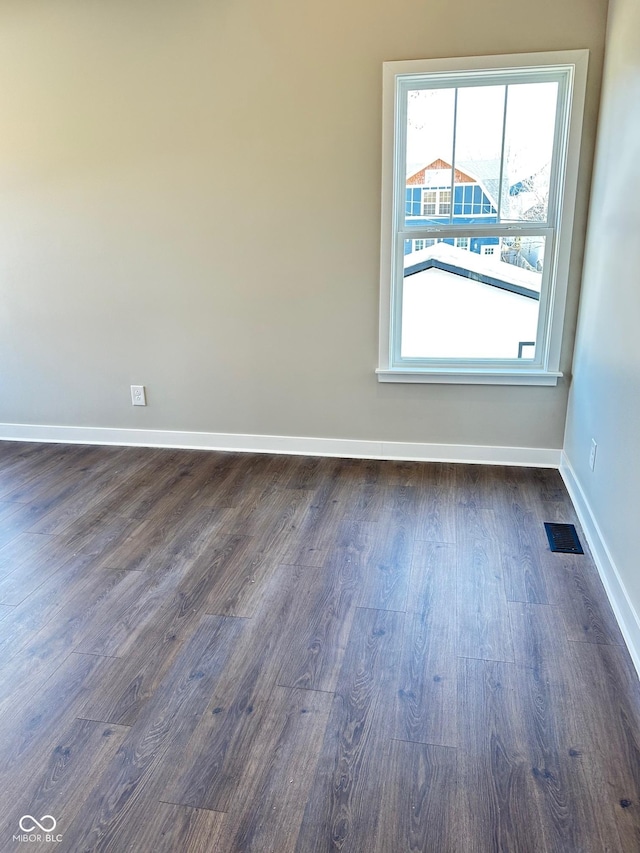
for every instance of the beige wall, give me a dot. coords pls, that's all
(151, 156)
(605, 396)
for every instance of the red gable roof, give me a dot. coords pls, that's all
(418, 179)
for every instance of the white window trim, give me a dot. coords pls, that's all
(545, 370)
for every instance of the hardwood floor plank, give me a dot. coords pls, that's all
(39, 469)
(385, 579)
(151, 649)
(161, 488)
(347, 474)
(100, 524)
(512, 488)
(160, 732)
(96, 532)
(402, 505)
(67, 772)
(483, 626)
(61, 590)
(35, 562)
(221, 489)
(232, 477)
(401, 473)
(11, 450)
(28, 730)
(427, 694)
(606, 735)
(496, 802)
(576, 588)
(238, 588)
(366, 502)
(45, 650)
(144, 466)
(343, 811)
(324, 607)
(473, 522)
(436, 516)
(215, 757)
(7, 509)
(271, 796)
(547, 484)
(524, 577)
(167, 828)
(117, 630)
(317, 529)
(552, 700)
(438, 473)
(91, 491)
(255, 513)
(20, 549)
(548, 497)
(419, 794)
(561, 512)
(475, 486)
(67, 474)
(156, 542)
(185, 579)
(306, 472)
(67, 627)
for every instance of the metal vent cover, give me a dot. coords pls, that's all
(563, 538)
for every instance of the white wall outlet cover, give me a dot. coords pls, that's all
(138, 395)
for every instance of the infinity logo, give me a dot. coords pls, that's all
(40, 824)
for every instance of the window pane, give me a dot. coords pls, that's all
(429, 203)
(530, 127)
(429, 153)
(478, 148)
(478, 298)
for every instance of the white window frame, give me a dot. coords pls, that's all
(544, 369)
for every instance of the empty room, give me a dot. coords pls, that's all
(319, 426)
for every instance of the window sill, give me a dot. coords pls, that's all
(454, 376)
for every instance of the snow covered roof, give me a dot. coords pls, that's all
(487, 269)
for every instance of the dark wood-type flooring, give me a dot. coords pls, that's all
(221, 652)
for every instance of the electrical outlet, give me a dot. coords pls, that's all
(138, 395)
(592, 454)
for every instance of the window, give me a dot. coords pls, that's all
(444, 202)
(412, 201)
(494, 141)
(429, 203)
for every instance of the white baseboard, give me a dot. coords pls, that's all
(410, 451)
(624, 611)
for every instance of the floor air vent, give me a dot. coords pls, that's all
(563, 538)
